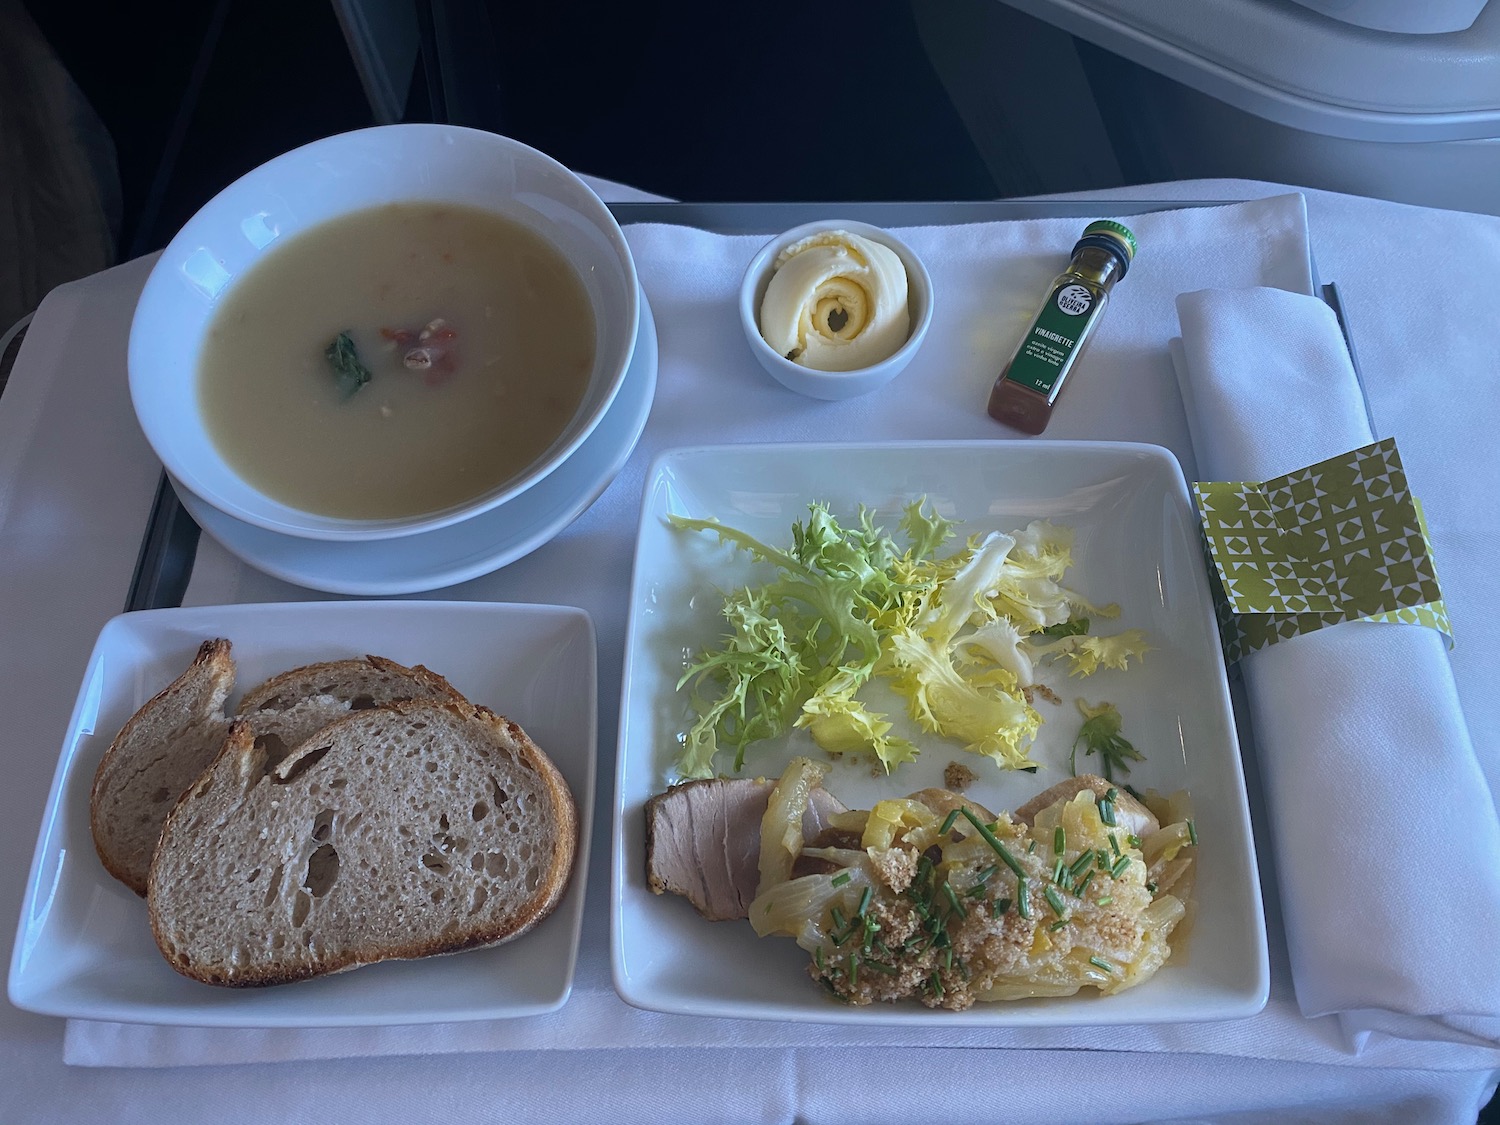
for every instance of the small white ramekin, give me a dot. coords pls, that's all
(834, 384)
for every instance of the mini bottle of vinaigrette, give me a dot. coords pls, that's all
(1032, 380)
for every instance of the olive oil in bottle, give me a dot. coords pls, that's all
(1024, 394)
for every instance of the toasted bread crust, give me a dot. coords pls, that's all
(126, 773)
(232, 797)
(298, 683)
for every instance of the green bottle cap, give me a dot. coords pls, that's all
(1112, 236)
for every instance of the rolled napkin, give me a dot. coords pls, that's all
(1383, 829)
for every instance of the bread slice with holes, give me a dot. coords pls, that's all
(398, 831)
(166, 744)
(296, 704)
(176, 734)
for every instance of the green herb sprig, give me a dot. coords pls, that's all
(1077, 627)
(343, 357)
(1100, 734)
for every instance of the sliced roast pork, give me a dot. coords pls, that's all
(703, 840)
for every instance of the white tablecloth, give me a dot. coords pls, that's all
(76, 481)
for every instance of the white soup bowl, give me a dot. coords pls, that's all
(325, 180)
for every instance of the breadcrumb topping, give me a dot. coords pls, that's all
(1000, 911)
(958, 777)
(895, 866)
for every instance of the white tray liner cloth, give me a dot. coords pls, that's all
(988, 280)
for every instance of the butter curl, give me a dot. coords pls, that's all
(836, 302)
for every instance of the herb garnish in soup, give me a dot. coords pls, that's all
(396, 361)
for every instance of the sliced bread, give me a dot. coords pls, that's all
(396, 832)
(173, 738)
(294, 705)
(157, 754)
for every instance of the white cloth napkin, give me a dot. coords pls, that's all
(987, 279)
(1384, 832)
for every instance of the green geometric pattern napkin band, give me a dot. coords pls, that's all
(1342, 540)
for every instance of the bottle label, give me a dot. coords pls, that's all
(1043, 357)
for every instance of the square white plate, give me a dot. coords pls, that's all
(84, 947)
(1137, 544)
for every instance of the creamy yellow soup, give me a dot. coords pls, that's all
(396, 361)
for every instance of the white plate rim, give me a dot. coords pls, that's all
(562, 929)
(627, 866)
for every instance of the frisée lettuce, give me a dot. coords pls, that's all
(957, 635)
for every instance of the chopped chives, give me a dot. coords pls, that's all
(1133, 840)
(1105, 900)
(1059, 924)
(976, 891)
(1101, 963)
(841, 878)
(864, 901)
(948, 822)
(1054, 900)
(853, 970)
(1107, 807)
(1059, 869)
(1059, 840)
(984, 876)
(937, 984)
(993, 841)
(1078, 890)
(1114, 844)
(839, 921)
(952, 896)
(1121, 866)
(1192, 832)
(1081, 864)
(878, 966)
(948, 958)
(999, 907)
(1023, 898)
(818, 958)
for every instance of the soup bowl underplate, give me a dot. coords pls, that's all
(326, 180)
